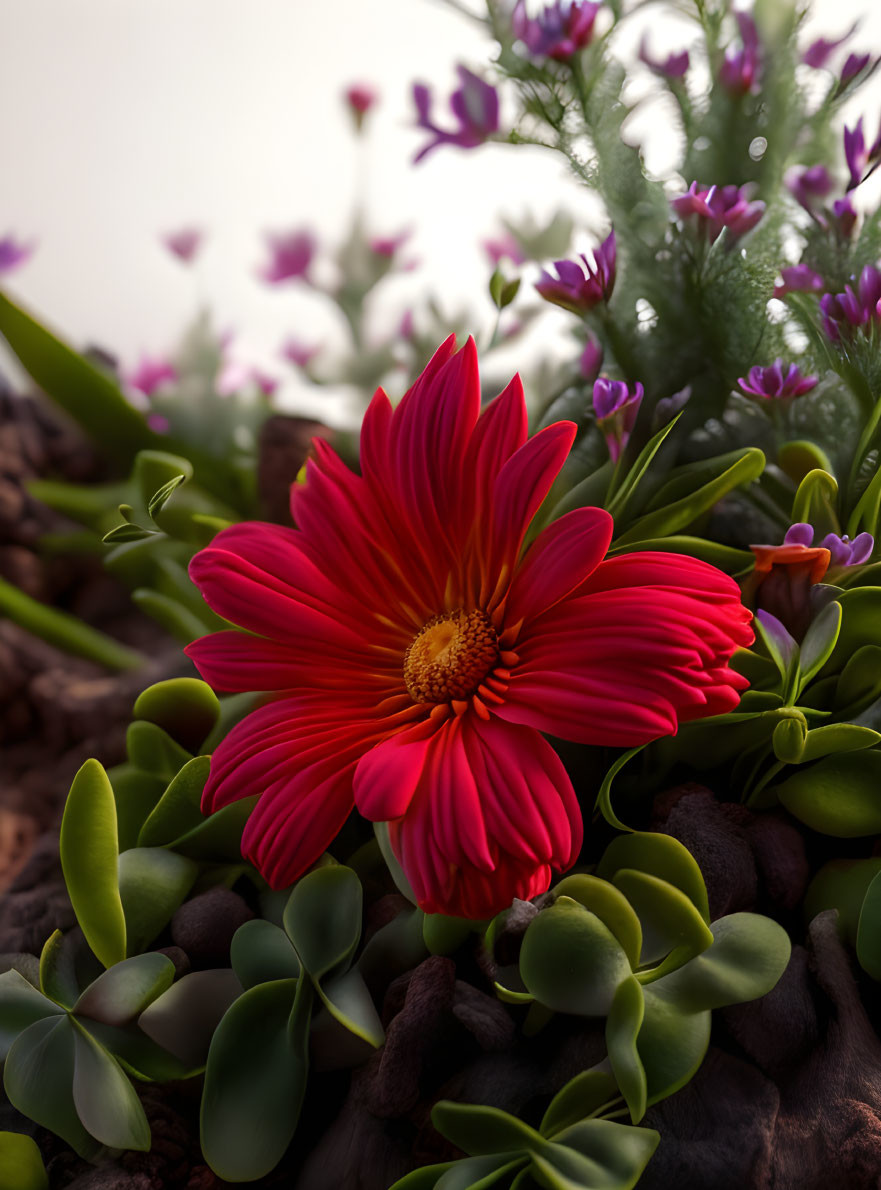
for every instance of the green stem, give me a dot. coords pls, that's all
(65, 631)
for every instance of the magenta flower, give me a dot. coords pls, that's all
(718, 208)
(808, 183)
(184, 244)
(739, 71)
(775, 384)
(854, 64)
(235, 376)
(151, 374)
(844, 215)
(820, 51)
(361, 97)
(857, 155)
(798, 278)
(844, 552)
(14, 253)
(475, 106)
(290, 255)
(673, 66)
(616, 406)
(843, 312)
(560, 30)
(580, 289)
(297, 353)
(503, 247)
(591, 359)
(387, 246)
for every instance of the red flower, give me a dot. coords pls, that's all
(418, 657)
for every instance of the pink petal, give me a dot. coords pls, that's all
(387, 775)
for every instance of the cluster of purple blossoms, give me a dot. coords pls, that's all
(475, 106)
(290, 255)
(858, 155)
(776, 382)
(616, 406)
(673, 66)
(13, 253)
(739, 71)
(580, 289)
(720, 207)
(856, 307)
(799, 278)
(807, 184)
(560, 30)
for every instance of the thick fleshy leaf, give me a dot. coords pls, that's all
(600, 1154)
(255, 1080)
(672, 1041)
(21, 1164)
(474, 1173)
(177, 811)
(841, 884)
(185, 707)
(658, 855)
(38, 1078)
(347, 1000)
(139, 1056)
(839, 795)
(153, 883)
(21, 1005)
(580, 1098)
(622, 1029)
(610, 905)
(217, 838)
(89, 856)
(152, 749)
(262, 952)
(670, 921)
(819, 641)
(183, 1019)
(104, 1098)
(58, 978)
(869, 931)
(860, 680)
(136, 794)
(123, 991)
(481, 1131)
(817, 496)
(570, 961)
(323, 919)
(169, 613)
(860, 617)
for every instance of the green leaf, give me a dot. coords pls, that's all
(81, 389)
(183, 1019)
(483, 1131)
(153, 884)
(38, 1079)
(672, 1041)
(58, 978)
(816, 501)
(21, 1005)
(261, 952)
(136, 793)
(347, 1000)
(152, 749)
(860, 624)
(838, 737)
(123, 991)
(217, 839)
(581, 1097)
(726, 557)
(671, 922)
(21, 1164)
(781, 646)
(819, 641)
(611, 907)
(186, 708)
(139, 1056)
(124, 533)
(255, 1081)
(474, 1173)
(636, 472)
(89, 856)
(788, 739)
(658, 855)
(740, 467)
(869, 931)
(104, 1098)
(841, 884)
(622, 1029)
(604, 797)
(610, 1156)
(177, 811)
(839, 795)
(323, 919)
(170, 614)
(570, 961)
(444, 934)
(161, 496)
(860, 680)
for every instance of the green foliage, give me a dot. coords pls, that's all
(21, 1166)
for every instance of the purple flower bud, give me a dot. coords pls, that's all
(388, 246)
(775, 384)
(360, 98)
(855, 153)
(845, 552)
(854, 64)
(720, 207)
(807, 183)
(798, 278)
(559, 31)
(290, 255)
(845, 216)
(14, 253)
(580, 289)
(673, 66)
(184, 244)
(151, 374)
(503, 247)
(667, 408)
(855, 307)
(616, 406)
(820, 51)
(591, 359)
(297, 353)
(739, 71)
(801, 533)
(475, 106)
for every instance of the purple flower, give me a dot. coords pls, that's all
(290, 255)
(798, 278)
(739, 71)
(616, 406)
(667, 408)
(580, 289)
(235, 376)
(475, 106)
(360, 98)
(860, 307)
(503, 246)
(845, 552)
(807, 183)
(158, 423)
(844, 215)
(151, 374)
(857, 155)
(13, 253)
(854, 65)
(673, 66)
(297, 353)
(184, 244)
(820, 51)
(591, 359)
(559, 31)
(718, 208)
(775, 384)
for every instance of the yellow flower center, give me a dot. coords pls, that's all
(450, 656)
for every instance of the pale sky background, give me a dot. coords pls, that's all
(124, 118)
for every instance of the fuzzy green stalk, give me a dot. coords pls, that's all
(65, 631)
